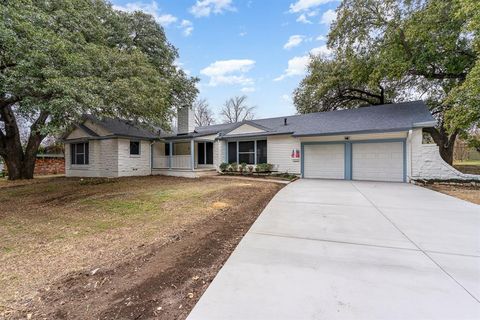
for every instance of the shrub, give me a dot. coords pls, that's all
(268, 167)
(243, 167)
(250, 169)
(264, 167)
(223, 166)
(234, 167)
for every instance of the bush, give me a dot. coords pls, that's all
(268, 167)
(250, 169)
(243, 167)
(223, 166)
(234, 167)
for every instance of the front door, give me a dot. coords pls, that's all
(205, 153)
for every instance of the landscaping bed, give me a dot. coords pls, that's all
(130, 248)
(262, 170)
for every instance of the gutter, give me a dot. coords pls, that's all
(350, 132)
(425, 124)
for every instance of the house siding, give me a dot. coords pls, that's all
(218, 153)
(133, 165)
(103, 159)
(245, 128)
(279, 150)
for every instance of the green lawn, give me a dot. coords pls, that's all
(468, 163)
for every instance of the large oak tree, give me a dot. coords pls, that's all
(386, 51)
(61, 59)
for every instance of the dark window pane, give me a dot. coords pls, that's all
(72, 153)
(209, 152)
(201, 153)
(246, 146)
(86, 153)
(135, 147)
(79, 147)
(262, 151)
(167, 149)
(79, 158)
(232, 152)
(248, 158)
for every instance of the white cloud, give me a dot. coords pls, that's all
(149, 8)
(242, 34)
(321, 38)
(296, 67)
(322, 51)
(166, 19)
(203, 8)
(293, 41)
(247, 89)
(328, 17)
(229, 72)
(303, 19)
(187, 27)
(306, 5)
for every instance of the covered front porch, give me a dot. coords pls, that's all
(182, 157)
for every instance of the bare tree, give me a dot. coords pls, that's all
(236, 109)
(203, 113)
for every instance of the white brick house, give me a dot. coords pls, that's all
(381, 143)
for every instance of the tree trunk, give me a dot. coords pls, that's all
(20, 164)
(19, 167)
(444, 141)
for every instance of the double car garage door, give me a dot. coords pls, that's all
(379, 161)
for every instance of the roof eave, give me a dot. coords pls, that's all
(351, 132)
(425, 124)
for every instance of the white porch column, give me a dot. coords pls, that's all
(192, 154)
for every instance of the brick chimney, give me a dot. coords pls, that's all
(185, 120)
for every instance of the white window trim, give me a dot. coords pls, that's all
(238, 150)
(84, 153)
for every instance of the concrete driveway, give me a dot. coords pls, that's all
(353, 250)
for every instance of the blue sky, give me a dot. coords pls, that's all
(253, 47)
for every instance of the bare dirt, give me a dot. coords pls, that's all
(160, 279)
(464, 192)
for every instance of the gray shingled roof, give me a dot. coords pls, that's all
(124, 128)
(389, 117)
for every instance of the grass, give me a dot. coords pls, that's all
(468, 166)
(50, 227)
(468, 163)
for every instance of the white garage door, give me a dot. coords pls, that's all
(324, 161)
(377, 161)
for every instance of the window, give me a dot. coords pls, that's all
(246, 152)
(232, 152)
(167, 149)
(262, 151)
(135, 148)
(201, 153)
(79, 153)
(250, 152)
(205, 153)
